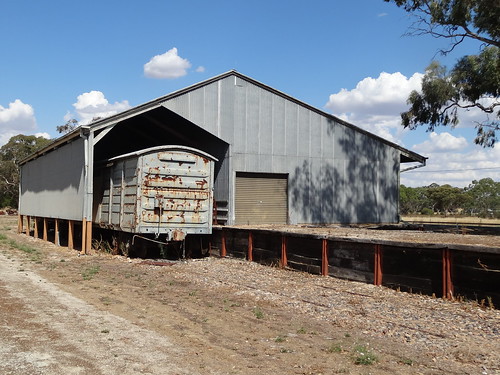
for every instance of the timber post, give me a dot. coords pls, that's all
(70, 234)
(223, 251)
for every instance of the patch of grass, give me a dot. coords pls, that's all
(90, 272)
(406, 361)
(279, 339)
(301, 331)
(34, 254)
(363, 356)
(3, 237)
(285, 350)
(259, 314)
(335, 348)
(105, 331)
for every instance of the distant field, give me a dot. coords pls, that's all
(451, 220)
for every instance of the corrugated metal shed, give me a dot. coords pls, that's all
(336, 172)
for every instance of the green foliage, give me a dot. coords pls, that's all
(474, 81)
(363, 356)
(18, 148)
(481, 198)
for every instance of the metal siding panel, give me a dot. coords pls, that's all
(279, 126)
(316, 135)
(211, 120)
(252, 125)
(240, 120)
(261, 199)
(52, 185)
(291, 128)
(266, 123)
(304, 132)
(227, 110)
(197, 107)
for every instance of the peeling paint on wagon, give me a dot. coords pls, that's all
(172, 188)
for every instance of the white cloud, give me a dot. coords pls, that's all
(439, 143)
(375, 104)
(93, 104)
(17, 118)
(450, 162)
(200, 69)
(168, 65)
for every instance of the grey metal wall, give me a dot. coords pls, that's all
(52, 185)
(336, 174)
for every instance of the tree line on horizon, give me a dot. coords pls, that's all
(481, 198)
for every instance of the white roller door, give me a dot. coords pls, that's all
(261, 198)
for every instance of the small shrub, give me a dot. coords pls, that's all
(258, 313)
(334, 348)
(363, 356)
(279, 339)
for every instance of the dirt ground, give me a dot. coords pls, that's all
(61, 313)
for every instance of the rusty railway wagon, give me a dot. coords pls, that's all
(156, 195)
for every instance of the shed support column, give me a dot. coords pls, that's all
(20, 219)
(88, 242)
(377, 279)
(223, 244)
(324, 257)
(250, 246)
(27, 225)
(56, 232)
(447, 281)
(284, 260)
(35, 229)
(70, 234)
(45, 225)
(84, 236)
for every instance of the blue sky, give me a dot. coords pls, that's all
(68, 59)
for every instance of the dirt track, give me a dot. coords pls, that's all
(61, 313)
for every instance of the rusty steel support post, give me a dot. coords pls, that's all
(377, 280)
(324, 257)
(70, 234)
(27, 225)
(250, 246)
(447, 280)
(35, 227)
(223, 251)
(284, 260)
(45, 229)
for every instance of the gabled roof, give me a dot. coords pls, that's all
(406, 155)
